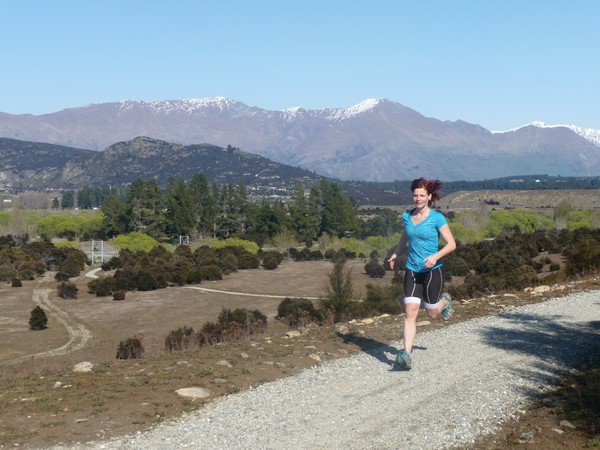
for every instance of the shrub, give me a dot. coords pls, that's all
(298, 312)
(211, 333)
(38, 319)
(380, 300)
(132, 348)
(61, 276)
(180, 339)
(339, 290)
(228, 263)
(270, 262)
(67, 289)
(16, 283)
(194, 276)
(248, 261)
(145, 281)
(240, 323)
(373, 269)
(102, 287)
(71, 266)
(211, 273)
(119, 295)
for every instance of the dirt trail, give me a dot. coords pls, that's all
(79, 335)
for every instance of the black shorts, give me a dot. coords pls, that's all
(424, 288)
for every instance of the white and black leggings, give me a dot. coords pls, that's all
(424, 288)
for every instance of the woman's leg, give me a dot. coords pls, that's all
(410, 325)
(434, 303)
(413, 293)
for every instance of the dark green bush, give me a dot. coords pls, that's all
(102, 287)
(211, 273)
(270, 262)
(298, 312)
(67, 289)
(228, 263)
(373, 269)
(132, 348)
(145, 281)
(16, 283)
(38, 319)
(248, 261)
(119, 295)
(61, 276)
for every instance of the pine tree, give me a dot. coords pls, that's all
(38, 319)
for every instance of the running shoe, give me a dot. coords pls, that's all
(449, 309)
(403, 360)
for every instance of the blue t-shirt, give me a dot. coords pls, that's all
(423, 239)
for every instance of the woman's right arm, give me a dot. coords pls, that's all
(399, 249)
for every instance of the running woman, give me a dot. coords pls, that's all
(423, 278)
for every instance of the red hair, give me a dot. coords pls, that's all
(431, 186)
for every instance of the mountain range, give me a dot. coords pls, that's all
(375, 140)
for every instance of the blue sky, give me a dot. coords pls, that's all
(500, 64)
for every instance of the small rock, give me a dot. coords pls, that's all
(81, 420)
(315, 357)
(566, 424)
(293, 334)
(83, 367)
(558, 430)
(193, 392)
(542, 288)
(224, 363)
(368, 321)
(526, 437)
(57, 385)
(220, 380)
(423, 323)
(342, 329)
(244, 355)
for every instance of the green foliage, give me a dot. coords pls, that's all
(578, 219)
(5, 218)
(134, 241)
(249, 246)
(119, 294)
(504, 223)
(68, 225)
(38, 319)
(132, 348)
(16, 283)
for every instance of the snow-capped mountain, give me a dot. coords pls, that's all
(375, 140)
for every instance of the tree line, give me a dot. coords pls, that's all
(198, 208)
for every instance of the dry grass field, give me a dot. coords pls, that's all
(43, 401)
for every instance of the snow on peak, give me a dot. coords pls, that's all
(590, 134)
(188, 106)
(352, 111)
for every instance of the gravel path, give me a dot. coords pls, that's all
(466, 379)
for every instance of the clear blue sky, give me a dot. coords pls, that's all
(497, 63)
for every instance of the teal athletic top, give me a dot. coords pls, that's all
(423, 239)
